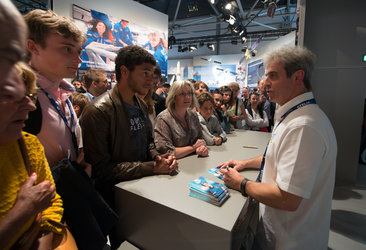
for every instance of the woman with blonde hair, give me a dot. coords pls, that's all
(177, 129)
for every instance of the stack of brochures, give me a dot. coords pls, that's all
(210, 191)
(216, 172)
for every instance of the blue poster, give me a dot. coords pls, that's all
(106, 35)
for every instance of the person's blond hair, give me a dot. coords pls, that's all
(42, 23)
(176, 87)
(234, 85)
(27, 75)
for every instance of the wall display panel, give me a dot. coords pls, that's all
(107, 34)
(256, 72)
(215, 76)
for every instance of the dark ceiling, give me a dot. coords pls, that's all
(203, 20)
(202, 7)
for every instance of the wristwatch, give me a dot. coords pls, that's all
(242, 187)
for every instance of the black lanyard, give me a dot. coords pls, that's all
(61, 114)
(300, 105)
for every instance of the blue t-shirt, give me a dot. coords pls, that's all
(138, 136)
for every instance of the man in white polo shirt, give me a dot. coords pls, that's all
(298, 173)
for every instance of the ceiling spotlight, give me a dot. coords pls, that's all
(237, 29)
(179, 48)
(211, 46)
(171, 40)
(244, 49)
(254, 52)
(228, 6)
(231, 20)
(212, 1)
(170, 46)
(192, 48)
(243, 39)
(184, 49)
(243, 32)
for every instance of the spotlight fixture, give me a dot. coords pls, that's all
(229, 19)
(211, 46)
(171, 40)
(212, 1)
(243, 32)
(243, 39)
(244, 49)
(184, 49)
(201, 44)
(179, 48)
(192, 48)
(254, 52)
(170, 46)
(237, 29)
(228, 6)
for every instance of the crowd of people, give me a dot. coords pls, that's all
(141, 127)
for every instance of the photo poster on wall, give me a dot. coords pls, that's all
(256, 72)
(107, 34)
(215, 76)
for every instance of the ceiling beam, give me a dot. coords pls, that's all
(240, 8)
(214, 8)
(251, 9)
(176, 12)
(224, 37)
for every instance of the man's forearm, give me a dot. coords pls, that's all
(271, 195)
(253, 163)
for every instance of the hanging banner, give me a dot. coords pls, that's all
(107, 34)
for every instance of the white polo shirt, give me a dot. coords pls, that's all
(301, 160)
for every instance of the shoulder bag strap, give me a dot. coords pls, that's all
(25, 156)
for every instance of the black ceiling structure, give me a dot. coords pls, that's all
(194, 21)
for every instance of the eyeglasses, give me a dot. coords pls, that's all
(6, 100)
(184, 94)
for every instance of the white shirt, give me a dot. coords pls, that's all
(255, 122)
(301, 160)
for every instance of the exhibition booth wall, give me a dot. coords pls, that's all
(336, 33)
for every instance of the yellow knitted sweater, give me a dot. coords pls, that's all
(13, 174)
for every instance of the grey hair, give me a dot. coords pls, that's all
(294, 59)
(176, 87)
